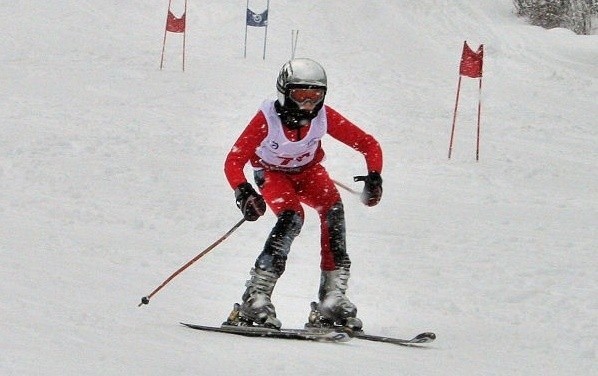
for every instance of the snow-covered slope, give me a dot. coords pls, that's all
(111, 178)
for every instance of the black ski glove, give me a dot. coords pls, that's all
(372, 190)
(250, 202)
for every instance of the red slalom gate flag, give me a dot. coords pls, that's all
(471, 62)
(471, 66)
(175, 25)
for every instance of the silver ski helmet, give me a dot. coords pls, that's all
(300, 73)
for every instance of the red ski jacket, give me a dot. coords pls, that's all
(243, 151)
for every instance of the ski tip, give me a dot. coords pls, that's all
(424, 337)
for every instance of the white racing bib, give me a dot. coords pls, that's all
(277, 150)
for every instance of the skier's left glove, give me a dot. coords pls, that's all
(372, 190)
(250, 202)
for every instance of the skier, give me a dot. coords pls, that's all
(283, 145)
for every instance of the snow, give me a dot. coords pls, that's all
(111, 179)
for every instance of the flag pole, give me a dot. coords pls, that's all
(294, 38)
(454, 117)
(164, 40)
(184, 34)
(477, 150)
(266, 30)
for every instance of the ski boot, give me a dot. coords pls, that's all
(334, 308)
(256, 308)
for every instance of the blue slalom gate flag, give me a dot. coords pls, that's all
(257, 20)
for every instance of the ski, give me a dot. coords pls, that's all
(314, 334)
(419, 339)
(353, 326)
(327, 335)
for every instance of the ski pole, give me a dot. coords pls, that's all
(346, 188)
(146, 299)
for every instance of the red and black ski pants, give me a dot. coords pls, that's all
(285, 193)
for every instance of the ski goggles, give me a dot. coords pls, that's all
(301, 96)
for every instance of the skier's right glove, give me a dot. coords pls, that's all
(372, 190)
(250, 202)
